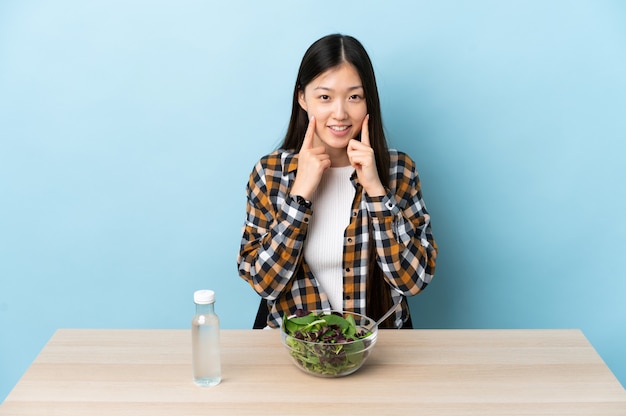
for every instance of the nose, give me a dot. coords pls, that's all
(339, 111)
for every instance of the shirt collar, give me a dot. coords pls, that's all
(290, 164)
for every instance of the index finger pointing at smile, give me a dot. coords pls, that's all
(307, 143)
(365, 132)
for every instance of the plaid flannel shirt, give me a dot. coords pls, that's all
(271, 253)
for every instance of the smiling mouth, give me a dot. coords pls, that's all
(339, 128)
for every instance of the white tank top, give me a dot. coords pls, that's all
(323, 249)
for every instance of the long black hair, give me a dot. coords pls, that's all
(327, 53)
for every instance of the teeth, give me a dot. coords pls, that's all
(339, 128)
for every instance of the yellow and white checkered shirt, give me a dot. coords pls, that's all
(271, 253)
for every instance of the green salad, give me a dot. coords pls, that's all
(325, 344)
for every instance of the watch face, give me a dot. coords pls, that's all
(303, 201)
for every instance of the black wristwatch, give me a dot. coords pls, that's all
(300, 200)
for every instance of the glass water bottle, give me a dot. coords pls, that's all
(205, 340)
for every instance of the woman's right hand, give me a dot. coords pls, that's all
(312, 162)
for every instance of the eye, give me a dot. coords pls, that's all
(355, 97)
(324, 97)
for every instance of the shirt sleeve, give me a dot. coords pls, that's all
(405, 248)
(273, 234)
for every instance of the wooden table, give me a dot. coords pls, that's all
(434, 372)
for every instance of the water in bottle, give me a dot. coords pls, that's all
(205, 338)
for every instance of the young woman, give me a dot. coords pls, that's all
(335, 219)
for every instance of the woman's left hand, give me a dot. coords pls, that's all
(362, 159)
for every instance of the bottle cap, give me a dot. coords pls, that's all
(203, 297)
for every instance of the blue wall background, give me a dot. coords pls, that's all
(128, 130)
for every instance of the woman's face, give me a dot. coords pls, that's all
(336, 99)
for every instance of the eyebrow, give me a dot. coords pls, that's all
(356, 87)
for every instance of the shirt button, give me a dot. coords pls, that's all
(354, 214)
(349, 240)
(348, 269)
(389, 205)
(306, 220)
